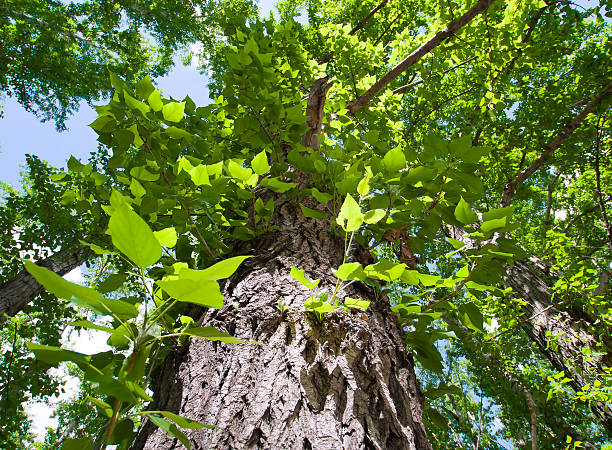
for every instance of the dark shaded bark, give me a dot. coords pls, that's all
(345, 382)
(20, 290)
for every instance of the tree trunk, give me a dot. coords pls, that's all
(20, 290)
(345, 382)
(559, 336)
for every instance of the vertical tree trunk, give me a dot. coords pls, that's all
(343, 383)
(559, 336)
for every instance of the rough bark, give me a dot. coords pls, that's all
(345, 382)
(20, 290)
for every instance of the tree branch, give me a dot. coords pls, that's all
(558, 142)
(415, 56)
(602, 205)
(534, 421)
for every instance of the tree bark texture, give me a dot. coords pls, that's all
(345, 382)
(20, 290)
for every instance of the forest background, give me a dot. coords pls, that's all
(23, 128)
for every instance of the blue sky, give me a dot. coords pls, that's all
(21, 132)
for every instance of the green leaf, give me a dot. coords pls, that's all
(55, 355)
(471, 317)
(321, 197)
(103, 407)
(178, 133)
(170, 428)
(137, 189)
(91, 325)
(219, 271)
(133, 237)
(155, 101)
(442, 389)
(239, 172)
(299, 276)
(181, 421)
(277, 186)
(132, 103)
(437, 418)
(312, 213)
(201, 292)
(492, 225)
(143, 174)
(75, 166)
(78, 294)
(464, 213)
(112, 283)
(385, 270)
(419, 174)
(212, 334)
(85, 443)
(374, 216)
(455, 243)
(260, 163)
(173, 111)
(428, 355)
(394, 160)
(498, 213)
(144, 87)
(350, 271)
(356, 303)
(350, 217)
(199, 175)
(364, 186)
(121, 337)
(318, 306)
(166, 237)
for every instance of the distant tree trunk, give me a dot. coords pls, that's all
(498, 371)
(343, 383)
(559, 336)
(20, 290)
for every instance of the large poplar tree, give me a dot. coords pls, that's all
(367, 187)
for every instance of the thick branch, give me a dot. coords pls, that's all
(558, 142)
(416, 56)
(20, 290)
